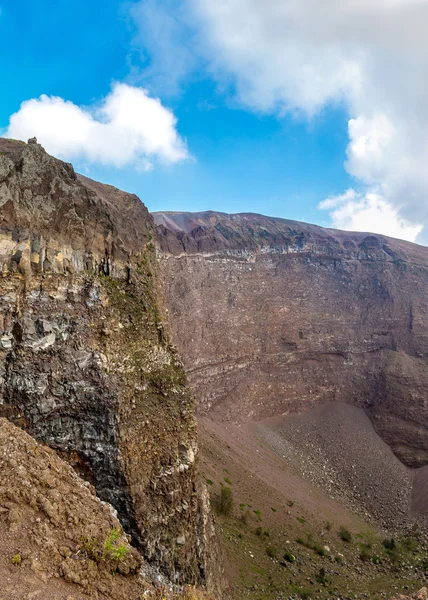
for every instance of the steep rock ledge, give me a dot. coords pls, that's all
(274, 316)
(85, 363)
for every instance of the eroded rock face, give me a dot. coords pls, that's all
(85, 363)
(273, 316)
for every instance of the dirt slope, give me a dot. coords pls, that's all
(335, 446)
(282, 510)
(58, 539)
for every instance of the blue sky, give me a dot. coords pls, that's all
(240, 131)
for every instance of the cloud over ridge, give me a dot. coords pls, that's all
(301, 56)
(128, 127)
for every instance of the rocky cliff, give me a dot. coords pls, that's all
(273, 316)
(85, 362)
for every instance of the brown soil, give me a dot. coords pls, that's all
(58, 541)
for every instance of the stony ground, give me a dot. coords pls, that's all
(278, 514)
(422, 594)
(336, 447)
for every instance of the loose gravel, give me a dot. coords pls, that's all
(336, 447)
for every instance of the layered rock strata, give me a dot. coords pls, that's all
(274, 316)
(85, 363)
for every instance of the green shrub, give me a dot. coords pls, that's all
(91, 549)
(258, 514)
(228, 480)
(243, 517)
(321, 577)
(389, 544)
(209, 482)
(226, 500)
(319, 549)
(259, 531)
(112, 550)
(365, 553)
(16, 559)
(289, 557)
(271, 551)
(345, 534)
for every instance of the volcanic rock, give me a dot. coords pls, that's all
(86, 366)
(273, 316)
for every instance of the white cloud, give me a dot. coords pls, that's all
(128, 127)
(300, 56)
(163, 43)
(369, 212)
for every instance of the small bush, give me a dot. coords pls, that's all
(321, 577)
(228, 480)
(91, 550)
(389, 544)
(328, 525)
(271, 551)
(226, 500)
(16, 559)
(301, 520)
(210, 482)
(243, 517)
(290, 503)
(112, 550)
(289, 557)
(345, 534)
(259, 531)
(338, 559)
(320, 550)
(365, 553)
(258, 514)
